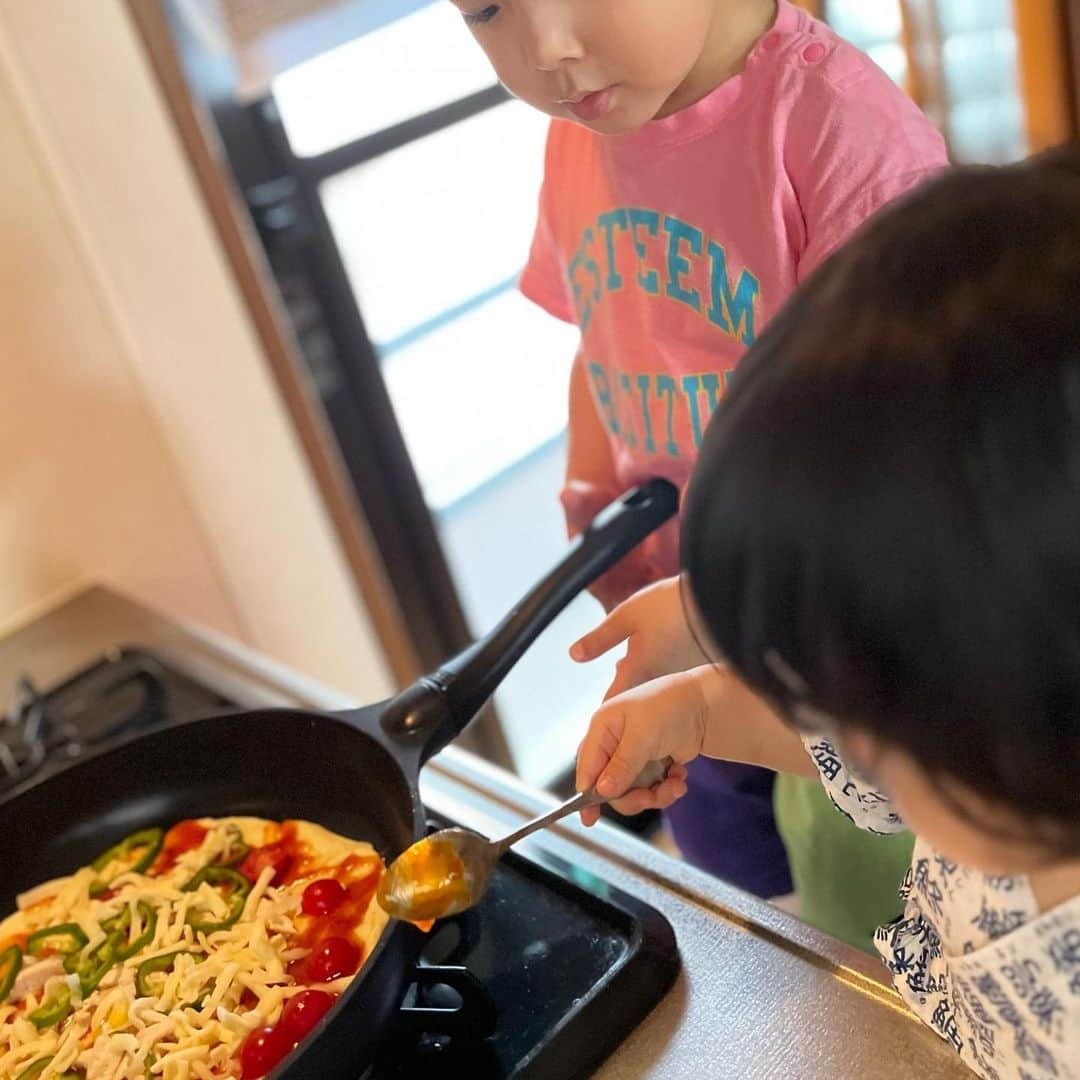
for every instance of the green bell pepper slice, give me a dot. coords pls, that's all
(65, 939)
(136, 853)
(34, 1070)
(157, 965)
(118, 926)
(53, 1009)
(91, 968)
(235, 888)
(11, 961)
(237, 850)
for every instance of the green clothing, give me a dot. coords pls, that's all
(846, 879)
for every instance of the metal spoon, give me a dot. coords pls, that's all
(447, 872)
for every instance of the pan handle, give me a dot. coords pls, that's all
(436, 708)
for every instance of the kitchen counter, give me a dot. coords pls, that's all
(760, 993)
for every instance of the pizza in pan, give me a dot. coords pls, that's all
(207, 951)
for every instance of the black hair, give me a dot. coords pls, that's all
(887, 502)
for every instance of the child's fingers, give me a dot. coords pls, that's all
(628, 757)
(669, 793)
(665, 794)
(599, 641)
(658, 798)
(596, 749)
(609, 757)
(591, 761)
(615, 750)
(677, 772)
(618, 775)
(634, 802)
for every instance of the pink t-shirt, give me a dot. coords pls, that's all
(672, 246)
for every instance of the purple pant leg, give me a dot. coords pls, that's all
(725, 825)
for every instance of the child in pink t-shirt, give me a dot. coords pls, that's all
(705, 157)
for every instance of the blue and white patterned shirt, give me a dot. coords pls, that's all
(971, 954)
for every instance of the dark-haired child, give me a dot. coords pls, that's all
(881, 549)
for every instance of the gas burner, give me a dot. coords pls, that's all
(29, 736)
(128, 691)
(540, 981)
(445, 1022)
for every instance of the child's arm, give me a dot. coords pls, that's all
(710, 711)
(590, 470)
(591, 479)
(591, 484)
(707, 711)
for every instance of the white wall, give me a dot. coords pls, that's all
(141, 438)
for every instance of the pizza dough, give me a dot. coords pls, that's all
(173, 950)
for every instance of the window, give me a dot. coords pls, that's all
(959, 60)
(478, 377)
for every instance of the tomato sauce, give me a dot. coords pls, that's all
(332, 930)
(290, 858)
(337, 901)
(15, 939)
(277, 855)
(183, 837)
(325, 934)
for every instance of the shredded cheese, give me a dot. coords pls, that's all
(220, 987)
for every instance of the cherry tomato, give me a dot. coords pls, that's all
(334, 959)
(275, 855)
(263, 1049)
(303, 1012)
(323, 896)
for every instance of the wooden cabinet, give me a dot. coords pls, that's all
(1049, 93)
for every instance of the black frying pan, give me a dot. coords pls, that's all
(355, 772)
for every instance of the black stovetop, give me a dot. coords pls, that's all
(543, 979)
(567, 964)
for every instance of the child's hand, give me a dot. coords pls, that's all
(658, 640)
(664, 718)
